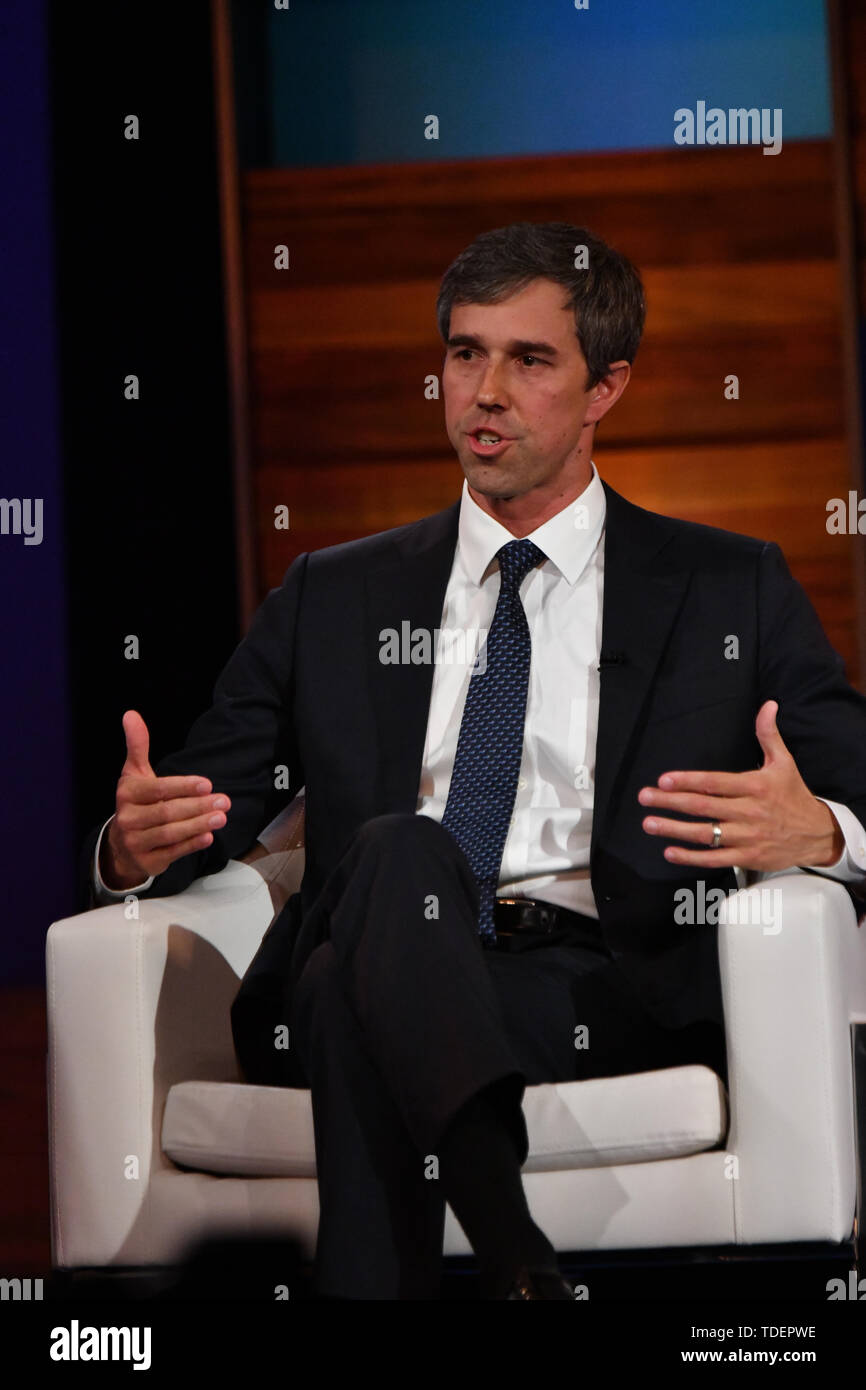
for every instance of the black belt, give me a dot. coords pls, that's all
(527, 917)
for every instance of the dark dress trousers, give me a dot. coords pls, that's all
(305, 690)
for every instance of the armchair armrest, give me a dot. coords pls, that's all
(793, 968)
(139, 997)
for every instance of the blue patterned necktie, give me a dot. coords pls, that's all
(490, 744)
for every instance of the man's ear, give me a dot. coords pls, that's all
(607, 391)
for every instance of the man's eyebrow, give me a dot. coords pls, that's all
(518, 347)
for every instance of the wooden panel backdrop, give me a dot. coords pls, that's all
(852, 42)
(739, 258)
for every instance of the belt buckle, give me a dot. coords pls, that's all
(543, 910)
(507, 902)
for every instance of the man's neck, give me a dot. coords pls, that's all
(523, 515)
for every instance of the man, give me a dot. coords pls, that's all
(494, 848)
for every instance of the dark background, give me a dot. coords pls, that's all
(138, 521)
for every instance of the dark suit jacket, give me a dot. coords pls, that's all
(306, 689)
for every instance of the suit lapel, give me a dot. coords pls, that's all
(643, 592)
(408, 588)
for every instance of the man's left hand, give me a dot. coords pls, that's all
(769, 819)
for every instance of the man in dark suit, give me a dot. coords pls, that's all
(525, 726)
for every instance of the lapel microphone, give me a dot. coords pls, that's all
(607, 659)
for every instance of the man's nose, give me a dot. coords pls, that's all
(491, 388)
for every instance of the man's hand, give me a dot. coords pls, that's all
(156, 819)
(769, 818)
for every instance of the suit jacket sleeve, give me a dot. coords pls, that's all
(242, 742)
(821, 717)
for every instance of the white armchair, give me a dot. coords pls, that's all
(156, 1141)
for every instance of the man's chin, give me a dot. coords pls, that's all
(490, 480)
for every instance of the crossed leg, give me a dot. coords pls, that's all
(418, 1044)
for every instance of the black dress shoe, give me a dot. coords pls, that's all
(540, 1283)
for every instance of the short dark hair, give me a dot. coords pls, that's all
(607, 297)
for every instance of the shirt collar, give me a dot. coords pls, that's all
(567, 539)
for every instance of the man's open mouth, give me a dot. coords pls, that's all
(487, 442)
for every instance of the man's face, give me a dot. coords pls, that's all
(515, 369)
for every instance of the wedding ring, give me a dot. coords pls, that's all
(717, 835)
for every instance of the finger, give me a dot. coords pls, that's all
(693, 832)
(134, 817)
(767, 733)
(190, 846)
(713, 783)
(143, 791)
(141, 843)
(707, 859)
(137, 745)
(696, 804)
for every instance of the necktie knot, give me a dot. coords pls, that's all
(516, 559)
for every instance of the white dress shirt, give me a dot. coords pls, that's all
(546, 851)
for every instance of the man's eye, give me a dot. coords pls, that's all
(529, 358)
(464, 353)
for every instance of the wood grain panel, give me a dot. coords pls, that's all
(387, 222)
(773, 481)
(775, 327)
(853, 25)
(24, 1219)
(683, 299)
(676, 392)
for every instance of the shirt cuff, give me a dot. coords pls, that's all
(850, 867)
(101, 893)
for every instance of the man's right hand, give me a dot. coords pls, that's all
(156, 819)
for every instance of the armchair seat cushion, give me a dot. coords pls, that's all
(267, 1131)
